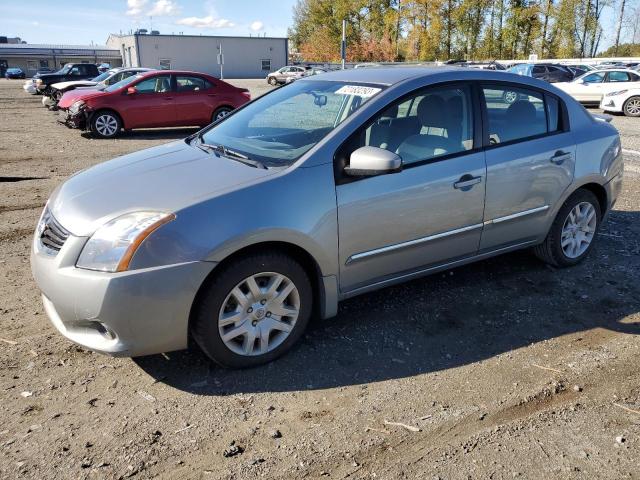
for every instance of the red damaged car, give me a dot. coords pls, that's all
(164, 98)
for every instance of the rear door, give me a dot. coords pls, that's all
(530, 158)
(152, 105)
(194, 100)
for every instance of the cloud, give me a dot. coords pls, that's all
(164, 8)
(206, 22)
(257, 26)
(135, 7)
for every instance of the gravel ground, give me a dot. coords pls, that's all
(502, 369)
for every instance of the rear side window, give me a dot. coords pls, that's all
(516, 113)
(192, 84)
(539, 69)
(618, 77)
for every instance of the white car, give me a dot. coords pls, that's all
(625, 100)
(588, 88)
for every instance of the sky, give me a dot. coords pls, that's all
(83, 22)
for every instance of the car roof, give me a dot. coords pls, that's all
(392, 75)
(606, 70)
(175, 72)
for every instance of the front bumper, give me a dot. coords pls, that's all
(611, 104)
(134, 313)
(78, 120)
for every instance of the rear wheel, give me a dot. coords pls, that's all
(220, 113)
(105, 124)
(631, 107)
(573, 231)
(253, 311)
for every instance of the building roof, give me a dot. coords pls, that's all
(118, 35)
(52, 46)
(31, 49)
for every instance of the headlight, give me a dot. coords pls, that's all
(112, 246)
(613, 94)
(38, 81)
(75, 107)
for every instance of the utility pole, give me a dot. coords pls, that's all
(343, 45)
(220, 60)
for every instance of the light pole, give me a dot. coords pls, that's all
(343, 45)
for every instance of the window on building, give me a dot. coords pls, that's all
(32, 65)
(266, 65)
(44, 63)
(165, 64)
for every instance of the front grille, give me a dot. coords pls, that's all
(53, 235)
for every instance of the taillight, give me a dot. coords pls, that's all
(247, 94)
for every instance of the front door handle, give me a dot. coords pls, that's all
(466, 182)
(559, 157)
(168, 98)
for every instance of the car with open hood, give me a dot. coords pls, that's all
(333, 186)
(160, 98)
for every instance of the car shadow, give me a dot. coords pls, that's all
(443, 321)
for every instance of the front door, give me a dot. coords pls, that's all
(152, 105)
(530, 163)
(429, 213)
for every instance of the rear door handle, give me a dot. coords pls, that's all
(466, 182)
(559, 157)
(212, 94)
(168, 98)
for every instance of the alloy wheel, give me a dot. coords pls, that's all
(578, 230)
(222, 113)
(106, 125)
(259, 314)
(632, 107)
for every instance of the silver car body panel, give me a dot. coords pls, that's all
(361, 235)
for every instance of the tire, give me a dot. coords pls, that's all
(631, 107)
(551, 251)
(249, 316)
(220, 113)
(273, 81)
(105, 124)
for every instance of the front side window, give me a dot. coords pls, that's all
(618, 77)
(426, 125)
(593, 78)
(539, 69)
(280, 127)
(514, 113)
(157, 84)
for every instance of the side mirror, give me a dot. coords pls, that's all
(132, 91)
(320, 100)
(370, 161)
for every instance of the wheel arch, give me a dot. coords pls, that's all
(324, 300)
(110, 110)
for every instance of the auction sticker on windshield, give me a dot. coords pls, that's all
(360, 91)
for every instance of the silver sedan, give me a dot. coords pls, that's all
(316, 192)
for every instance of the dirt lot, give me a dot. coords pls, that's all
(508, 368)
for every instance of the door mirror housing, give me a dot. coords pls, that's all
(370, 161)
(132, 91)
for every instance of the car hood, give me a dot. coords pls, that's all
(166, 178)
(74, 95)
(74, 83)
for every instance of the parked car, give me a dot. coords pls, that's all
(548, 72)
(71, 71)
(167, 98)
(625, 99)
(100, 82)
(334, 186)
(588, 88)
(13, 73)
(286, 74)
(104, 67)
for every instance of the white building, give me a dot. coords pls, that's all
(243, 57)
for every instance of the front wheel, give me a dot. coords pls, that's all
(573, 231)
(273, 81)
(631, 107)
(253, 311)
(106, 124)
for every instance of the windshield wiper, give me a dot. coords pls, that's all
(232, 154)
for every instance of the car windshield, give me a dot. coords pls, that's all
(282, 126)
(101, 77)
(122, 83)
